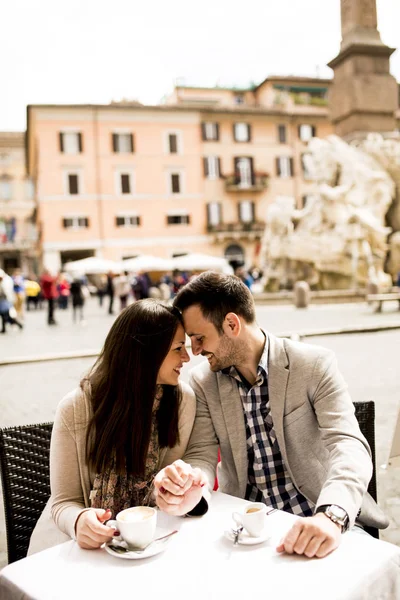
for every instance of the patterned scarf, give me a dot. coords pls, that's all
(119, 491)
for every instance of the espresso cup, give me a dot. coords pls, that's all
(253, 517)
(137, 525)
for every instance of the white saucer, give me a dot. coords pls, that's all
(245, 539)
(152, 550)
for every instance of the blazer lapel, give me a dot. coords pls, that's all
(232, 409)
(278, 373)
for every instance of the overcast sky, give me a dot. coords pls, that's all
(95, 51)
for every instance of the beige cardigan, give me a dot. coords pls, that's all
(70, 479)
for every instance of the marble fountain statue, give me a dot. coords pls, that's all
(348, 233)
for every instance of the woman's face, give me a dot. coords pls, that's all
(173, 362)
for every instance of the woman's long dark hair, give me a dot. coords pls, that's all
(123, 386)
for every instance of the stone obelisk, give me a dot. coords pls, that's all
(364, 95)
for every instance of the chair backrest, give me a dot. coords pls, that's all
(365, 414)
(25, 475)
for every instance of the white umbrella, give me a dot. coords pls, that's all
(147, 262)
(92, 265)
(202, 262)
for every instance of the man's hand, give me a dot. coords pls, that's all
(178, 488)
(90, 531)
(312, 536)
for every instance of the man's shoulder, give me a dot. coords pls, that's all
(203, 375)
(297, 353)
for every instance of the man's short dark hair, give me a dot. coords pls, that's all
(217, 295)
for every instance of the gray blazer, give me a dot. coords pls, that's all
(327, 457)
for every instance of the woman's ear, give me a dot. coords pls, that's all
(232, 325)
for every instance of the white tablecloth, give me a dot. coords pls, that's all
(201, 563)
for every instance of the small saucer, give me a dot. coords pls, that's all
(245, 539)
(153, 549)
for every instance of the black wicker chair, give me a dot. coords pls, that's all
(365, 413)
(25, 476)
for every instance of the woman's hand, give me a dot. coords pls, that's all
(90, 531)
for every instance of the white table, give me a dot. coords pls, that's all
(201, 563)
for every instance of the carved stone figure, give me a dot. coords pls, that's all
(339, 240)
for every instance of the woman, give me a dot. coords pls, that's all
(130, 417)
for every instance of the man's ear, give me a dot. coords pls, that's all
(232, 325)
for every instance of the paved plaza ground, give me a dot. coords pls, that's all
(369, 361)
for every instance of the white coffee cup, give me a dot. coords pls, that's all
(253, 517)
(137, 525)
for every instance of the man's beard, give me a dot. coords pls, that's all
(225, 356)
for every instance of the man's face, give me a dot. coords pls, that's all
(220, 350)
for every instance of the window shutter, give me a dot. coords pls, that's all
(80, 142)
(125, 183)
(253, 212)
(248, 132)
(314, 131)
(86, 221)
(205, 166)
(220, 212)
(234, 132)
(115, 142)
(253, 179)
(208, 214)
(282, 134)
(219, 167)
(299, 131)
(175, 181)
(291, 167)
(239, 212)
(73, 184)
(278, 166)
(217, 131)
(61, 141)
(65, 223)
(203, 132)
(173, 143)
(131, 142)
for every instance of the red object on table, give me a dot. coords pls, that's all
(216, 478)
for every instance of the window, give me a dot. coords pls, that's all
(122, 143)
(127, 221)
(211, 165)
(244, 176)
(241, 132)
(175, 183)
(210, 131)
(73, 184)
(75, 223)
(29, 189)
(214, 213)
(246, 211)
(5, 189)
(177, 219)
(70, 142)
(284, 166)
(306, 132)
(125, 183)
(282, 134)
(238, 99)
(173, 143)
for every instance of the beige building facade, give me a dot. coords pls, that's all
(194, 174)
(18, 233)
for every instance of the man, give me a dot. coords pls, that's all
(282, 417)
(48, 284)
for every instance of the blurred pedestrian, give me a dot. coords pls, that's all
(63, 288)
(19, 293)
(32, 293)
(110, 291)
(6, 302)
(78, 299)
(48, 283)
(102, 288)
(122, 289)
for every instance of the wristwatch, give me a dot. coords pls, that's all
(336, 514)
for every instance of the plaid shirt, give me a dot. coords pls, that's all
(268, 478)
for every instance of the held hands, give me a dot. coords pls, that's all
(314, 536)
(90, 531)
(178, 488)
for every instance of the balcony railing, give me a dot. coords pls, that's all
(257, 183)
(237, 230)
